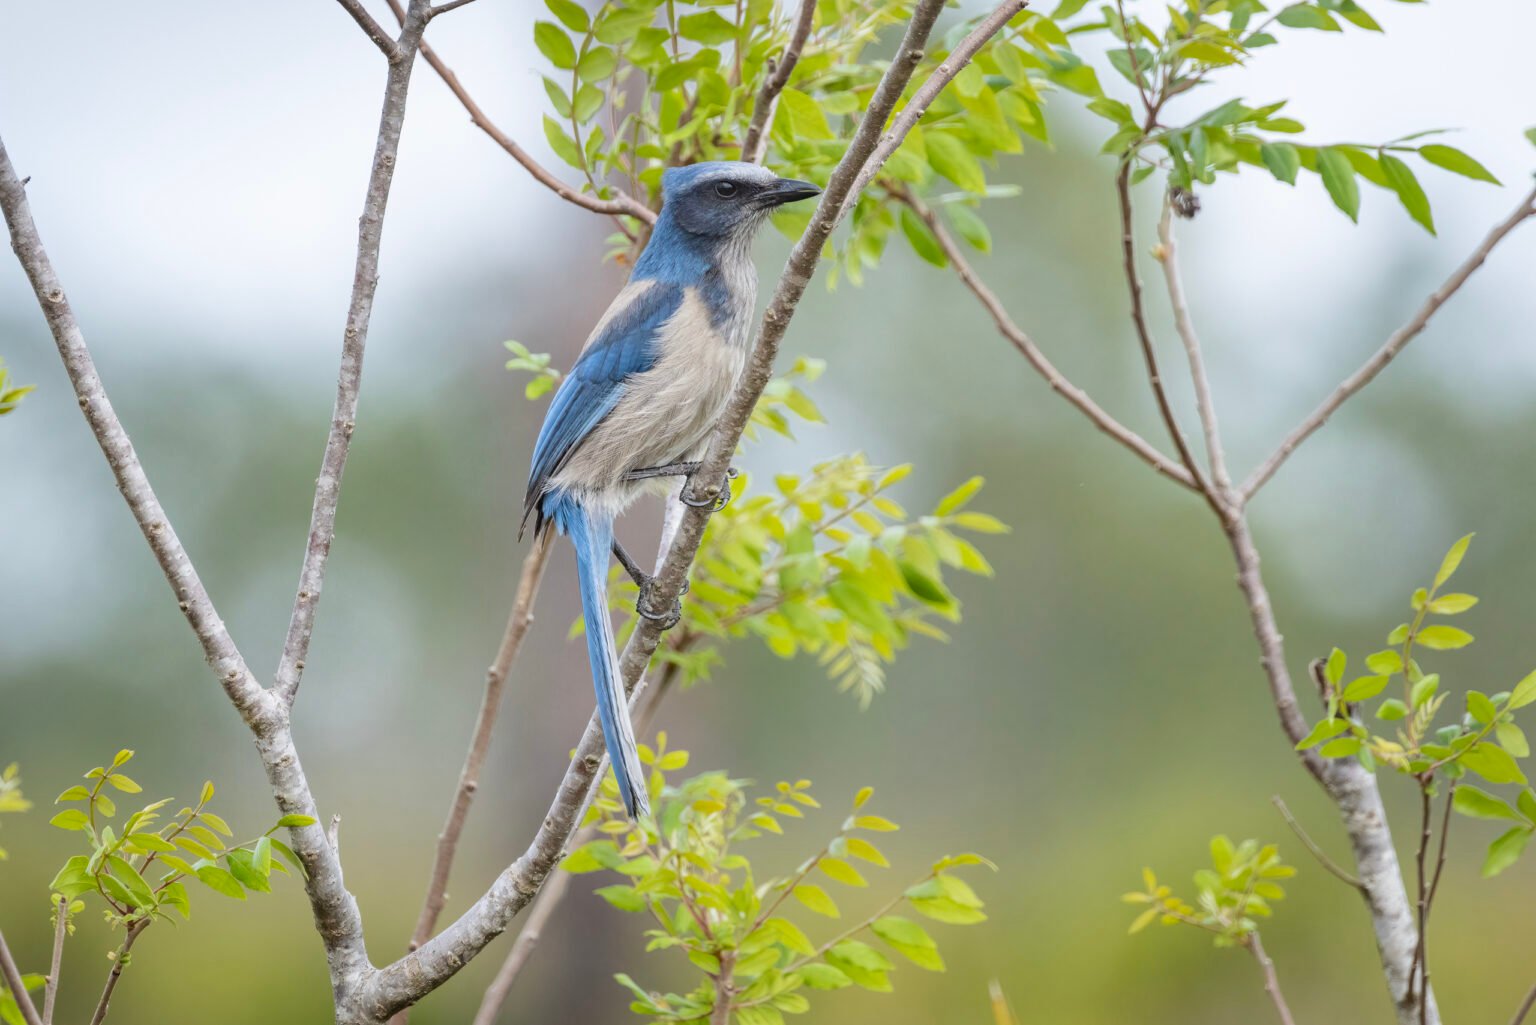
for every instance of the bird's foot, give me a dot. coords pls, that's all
(715, 504)
(645, 606)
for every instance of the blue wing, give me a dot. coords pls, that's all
(595, 384)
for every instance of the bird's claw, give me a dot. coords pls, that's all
(715, 504)
(664, 620)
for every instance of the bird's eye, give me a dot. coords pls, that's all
(725, 190)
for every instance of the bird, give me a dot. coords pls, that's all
(643, 397)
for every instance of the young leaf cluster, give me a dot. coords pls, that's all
(11, 394)
(11, 799)
(1230, 895)
(1483, 742)
(688, 872)
(1202, 38)
(139, 869)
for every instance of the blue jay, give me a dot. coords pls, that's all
(644, 396)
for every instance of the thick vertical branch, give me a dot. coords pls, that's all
(365, 282)
(60, 929)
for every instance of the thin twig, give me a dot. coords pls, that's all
(1168, 257)
(60, 928)
(755, 143)
(621, 204)
(365, 282)
(444, 8)
(1271, 980)
(371, 28)
(1333, 867)
(1144, 334)
(1389, 349)
(118, 963)
(518, 622)
(1428, 889)
(952, 65)
(11, 975)
(1101, 419)
(1525, 1007)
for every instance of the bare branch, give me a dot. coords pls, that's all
(1037, 359)
(60, 928)
(520, 619)
(372, 28)
(444, 8)
(755, 143)
(12, 975)
(1144, 335)
(622, 204)
(1521, 1011)
(218, 647)
(119, 961)
(1168, 256)
(953, 64)
(1389, 349)
(365, 282)
(725, 989)
(1271, 980)
(1317, 852)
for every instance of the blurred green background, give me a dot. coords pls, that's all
(1100, 707)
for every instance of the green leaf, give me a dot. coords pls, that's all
(242, 866)
(708, 28)
(1506, 850)
(1492, 763)
(1282, 159)
(922, 240)
(1457, 162)
(950, 157)
(1524, 692)
(625, 898)
(1408, 190)
(1480, 707)
(71, 819)
(622, 24)
(840, 870)
(1452, 560)
(1452, 604)
(562, 144)
(1339, 179)
(220, 881)
(1324, 730)
(1423, 690)
(570, 13)
(1443, 638)
(1512, 739)
(806, 119)
(823, 976)
(1365, 688)
(294, 821)
(1392, 710)
(1479, 804)
(596, 64)
(896, 930)
(1307, 16)
(815, 898)
(554, 44)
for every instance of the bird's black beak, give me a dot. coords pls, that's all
(787, 190)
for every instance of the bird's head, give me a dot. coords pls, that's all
(727, 198)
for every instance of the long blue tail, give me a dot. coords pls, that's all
(592, 536)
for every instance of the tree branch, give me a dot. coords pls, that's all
(60, 928)
(1521, 1011)
(11, 975)
(1139, 446)
(119, 962)
(518, 622)
(1271, 980)
(755, 143)
(622, 204)
(725, 989)
(218, 647)
(365, 282)
(1144, 335)
(1168, 257)
(371, 28)
(1333, 867)
(1393, 345)
(953, 64)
